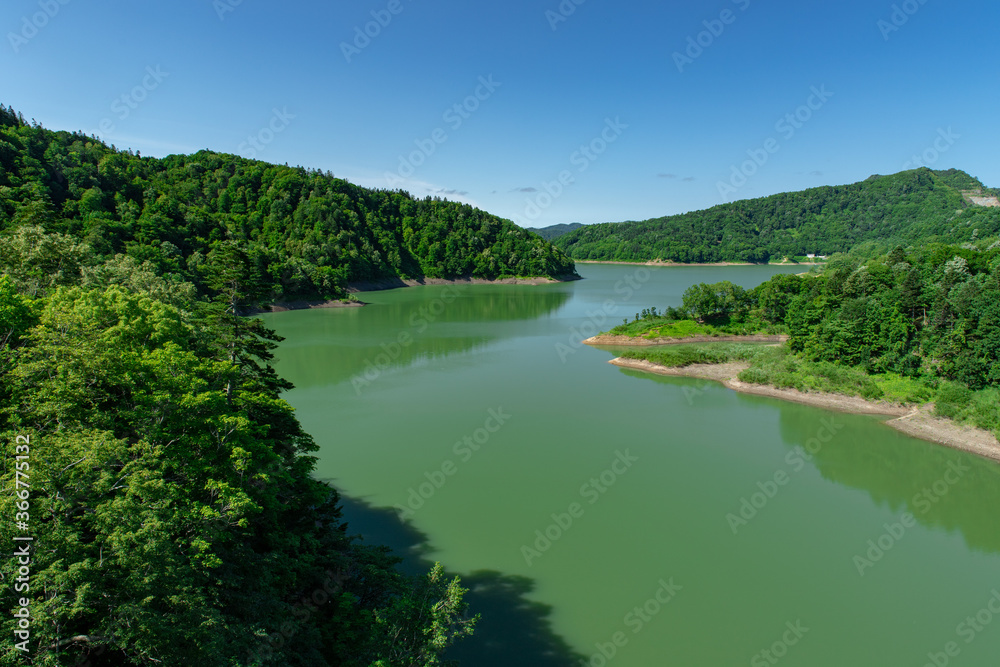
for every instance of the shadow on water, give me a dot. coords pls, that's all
(514, 630)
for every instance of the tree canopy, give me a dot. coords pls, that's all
(310, 234)
(909, 208)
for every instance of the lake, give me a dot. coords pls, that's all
(604, 516)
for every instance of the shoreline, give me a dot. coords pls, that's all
(917, 422)
(660, 262)
(305, 304)
(395, 283)
(638, 341)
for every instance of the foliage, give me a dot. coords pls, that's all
(309, 234)
(680, 356)
(173, 509)
(911, 207)
(907, 328)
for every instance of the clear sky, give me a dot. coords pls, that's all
(591, 112)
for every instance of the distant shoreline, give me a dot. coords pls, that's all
(659, 262)
(395, 283)
(917, 422)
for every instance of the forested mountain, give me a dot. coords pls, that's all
(308, 233)
(911, 207)
(553, 232)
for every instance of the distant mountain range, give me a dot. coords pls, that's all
(555, 231)
(909, 208)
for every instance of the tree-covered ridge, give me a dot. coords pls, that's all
(553, 232)
(911, 207)
(309, 234)
(174, 515)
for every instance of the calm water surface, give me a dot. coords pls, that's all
(604, 516)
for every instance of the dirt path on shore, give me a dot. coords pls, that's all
(918, 422)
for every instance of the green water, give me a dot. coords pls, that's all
(672, 459)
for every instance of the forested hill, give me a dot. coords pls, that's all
(308, 233)
(553, 232)
(908, 208)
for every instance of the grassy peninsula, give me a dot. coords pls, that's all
(913, 328)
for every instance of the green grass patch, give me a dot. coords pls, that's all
(978, 408)
(664, 328)
(904, 390)
(679, 356)
(660, 327)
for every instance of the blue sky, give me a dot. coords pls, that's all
(565, 112)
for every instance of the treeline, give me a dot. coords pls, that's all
(918, 206)
(168, 489)
(917, 325)
(309, 234)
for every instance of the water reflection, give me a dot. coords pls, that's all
(404, 327)
(942, 487)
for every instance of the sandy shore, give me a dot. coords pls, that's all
(395, 283)
(918, 422)
(638, 341)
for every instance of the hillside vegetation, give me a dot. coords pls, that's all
(906, 326)
(309, 234)
(553, 232)
(908, 208)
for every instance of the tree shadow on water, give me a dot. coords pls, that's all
(513, 630)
